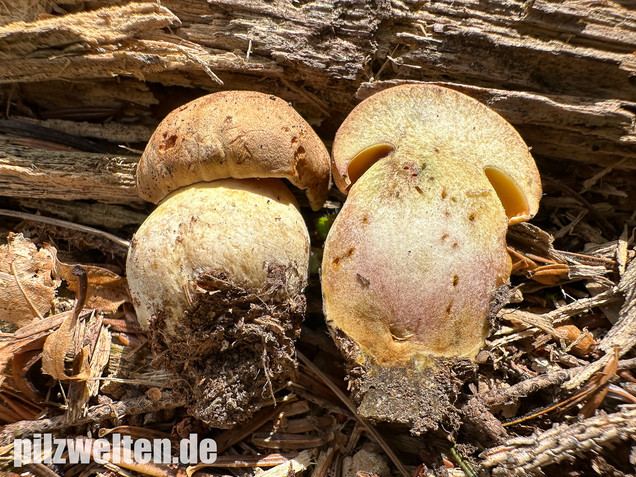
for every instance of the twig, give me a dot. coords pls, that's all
(524, 455)
(622, 335)
(65, 224)
(115, 410)
(627, 364)
(497, 397)
(363, 422)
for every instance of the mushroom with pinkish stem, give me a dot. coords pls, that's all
(217, 271)
(415, 257)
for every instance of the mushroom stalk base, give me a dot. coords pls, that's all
(421, 393)
(237, 347)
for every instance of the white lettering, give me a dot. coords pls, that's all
(162, 450)
(79, 450)
(188, 448)
(143, 449)
(60, 447)
(101, 451)
(22, 449)
(207, 451)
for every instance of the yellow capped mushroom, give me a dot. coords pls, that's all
(418, 251)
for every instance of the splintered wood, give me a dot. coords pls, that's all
(561, 75)
(71, 175)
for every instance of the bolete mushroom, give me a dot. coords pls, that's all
(418, 251)
(217, 271)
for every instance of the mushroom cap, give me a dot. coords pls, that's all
(237, 228)
(440, 123)
(234, 134)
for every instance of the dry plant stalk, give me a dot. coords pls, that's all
(526, 455)
(113, 410)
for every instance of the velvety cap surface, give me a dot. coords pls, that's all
(234, 134)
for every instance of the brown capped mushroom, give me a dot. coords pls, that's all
(418, 251)
(217, 271)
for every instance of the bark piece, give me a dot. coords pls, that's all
(526, 455)
(38, 173)
(107, 216)
(562, 73)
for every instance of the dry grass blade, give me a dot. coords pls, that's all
(65, 224)
(244, 461)
(288, 441)
(282, 465)
(235, 435)
(367, 426)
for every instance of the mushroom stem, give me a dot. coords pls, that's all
(216, 273)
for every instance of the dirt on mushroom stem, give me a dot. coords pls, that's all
(237, 347)
(424, 393)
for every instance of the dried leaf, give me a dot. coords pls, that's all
(92, 359)
(27, 288)
(59, 347)
(21, 364)
(10, 348)
(106, 290)
(27, 338)
(600, 385)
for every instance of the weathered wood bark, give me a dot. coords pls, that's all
(563, 73)
(34, 173)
